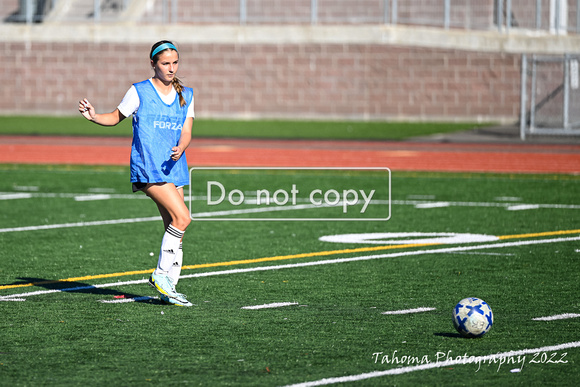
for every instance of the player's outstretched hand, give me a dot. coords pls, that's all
(86, 109)
(176, 153)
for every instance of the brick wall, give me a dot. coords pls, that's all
(278, 80)
(8, 8)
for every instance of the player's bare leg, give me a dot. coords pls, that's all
(175, 270)
(176, 218)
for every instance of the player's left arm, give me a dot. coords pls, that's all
(184, 140)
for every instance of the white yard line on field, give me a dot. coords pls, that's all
(407, 311)
(65, 195)
(521, 207)
(484, 204)
(267, 306)
(306, 264)
(417, 204)
(75, 289)
(14, 195)
(80, 224)
(125, 300)
(557, 317)
(432, 205)
(153, 218)
(480, 253)
(92, 197)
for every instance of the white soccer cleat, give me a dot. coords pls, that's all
(179, 301)
(163, 285)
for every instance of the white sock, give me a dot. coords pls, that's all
(175, 270)
(169, 250)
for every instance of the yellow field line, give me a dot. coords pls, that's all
(539, 234)
(229, 263)
(279, 258)
(307, 255)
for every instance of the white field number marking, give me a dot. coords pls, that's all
(272, 305)
(394, 238)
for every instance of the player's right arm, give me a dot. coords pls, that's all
(106, 119)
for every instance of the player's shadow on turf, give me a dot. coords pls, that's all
(80, 287)
(447, 334)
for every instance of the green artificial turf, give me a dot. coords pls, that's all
(78, 126)
(335, 327)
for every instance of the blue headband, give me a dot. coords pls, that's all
(162, 47)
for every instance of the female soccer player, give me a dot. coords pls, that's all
(162, 110)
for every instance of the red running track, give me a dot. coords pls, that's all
(402, 156)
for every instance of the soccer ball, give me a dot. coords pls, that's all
(472, 317)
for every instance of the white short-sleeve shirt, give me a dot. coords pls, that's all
(130, 102)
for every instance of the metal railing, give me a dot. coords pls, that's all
(550, 95)
(555, 16)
